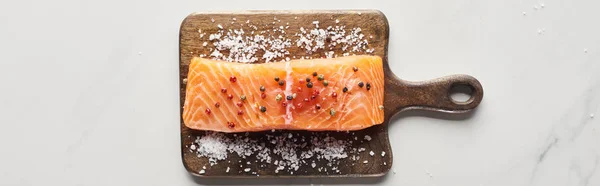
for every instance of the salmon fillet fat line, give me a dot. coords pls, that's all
(337, 94)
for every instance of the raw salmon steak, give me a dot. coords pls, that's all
(337, 94)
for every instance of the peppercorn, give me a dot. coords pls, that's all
(263, 108)
(321, 77)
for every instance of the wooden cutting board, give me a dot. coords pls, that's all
(399, 95)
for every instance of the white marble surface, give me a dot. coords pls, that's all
(88, 91)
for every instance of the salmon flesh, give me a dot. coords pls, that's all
(337, 94)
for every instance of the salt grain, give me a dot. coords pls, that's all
(366, 161)
(367, 137)
(212, 20)
(337, 21)
(371, 153)
(227, 170)
(247, 170)
(202, 171)
(382, 153)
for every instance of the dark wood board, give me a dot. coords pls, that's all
(399, 95)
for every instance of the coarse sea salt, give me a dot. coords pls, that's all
(289, 153)
(236, 45)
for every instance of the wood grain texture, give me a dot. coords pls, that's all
(399, 94)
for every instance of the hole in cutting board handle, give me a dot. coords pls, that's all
(461, 93)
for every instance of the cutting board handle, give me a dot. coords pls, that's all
(435, 94)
